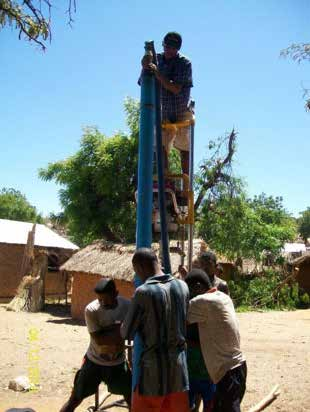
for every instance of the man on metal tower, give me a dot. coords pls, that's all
(174, 73)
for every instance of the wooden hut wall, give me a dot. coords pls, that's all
(83, 291)
(55, 284)
(303, 276)
(10, 265)
(11, 257)
(228, 271)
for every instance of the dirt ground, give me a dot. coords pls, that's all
(276, 345)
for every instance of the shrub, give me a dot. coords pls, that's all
(267, 291)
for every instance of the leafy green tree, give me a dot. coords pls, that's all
(98, 184)
(276, 225)
(32, 18)
(15, 206)
(239, 227)
(304, 224)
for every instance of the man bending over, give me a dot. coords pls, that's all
(105, 358)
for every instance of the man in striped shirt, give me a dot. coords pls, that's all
(157, 314)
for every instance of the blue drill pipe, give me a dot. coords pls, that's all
(161, 178)
(191, 187)
(145, 183)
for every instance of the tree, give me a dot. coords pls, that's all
(304, 224)
(32, 18)
(299, 52)
(239, 227)
(15, 206)
(99, 183)
(216, 170)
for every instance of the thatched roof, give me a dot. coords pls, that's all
(114, 260)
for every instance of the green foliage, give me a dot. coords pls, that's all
(174, 162)
(98, 184)
(239, 227)
(99, 181)
(15, 206)
(305, 299)
(265, 292)
(31, 18)
(304, 224)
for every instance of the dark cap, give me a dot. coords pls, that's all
(105, 286)
(173, 39)
(208, 257)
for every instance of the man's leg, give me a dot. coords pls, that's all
(118, 380)
(71, 404)
(230, 390)
(184, 161)
(182, 142)
(168, 137)
(201, 389)
(86, 382)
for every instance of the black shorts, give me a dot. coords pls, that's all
(230, 390)
(87, 379)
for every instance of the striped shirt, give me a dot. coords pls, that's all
(179, 71)
(158, 315)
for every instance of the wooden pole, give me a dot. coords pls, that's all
(264, 403)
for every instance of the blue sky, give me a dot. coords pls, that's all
(239, 81)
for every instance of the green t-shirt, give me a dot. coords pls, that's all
(196, 364)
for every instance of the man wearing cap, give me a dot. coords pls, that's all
(219, 338)
(174, 73)
(105, 357)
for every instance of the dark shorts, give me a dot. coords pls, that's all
(230, 390)
(87, 379)
(203, 387)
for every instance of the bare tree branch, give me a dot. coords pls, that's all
(299, 52)
(32, 18)
(217, 171)
(69, 11)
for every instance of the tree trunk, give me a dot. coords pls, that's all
(30, 292)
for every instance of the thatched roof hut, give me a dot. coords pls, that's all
(13, 240)
(110, 260)
(106, 259)
(301, 268)
(114, 260)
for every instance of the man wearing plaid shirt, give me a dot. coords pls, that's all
(174, 73)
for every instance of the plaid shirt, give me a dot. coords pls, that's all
(158, 315)
(178, 70)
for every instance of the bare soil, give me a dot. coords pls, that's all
(276, 345)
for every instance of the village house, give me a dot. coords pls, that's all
(109, 260)
(13, 240)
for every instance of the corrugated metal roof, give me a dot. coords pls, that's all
(15, 232)
(294, 247)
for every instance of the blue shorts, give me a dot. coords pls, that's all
(202, 387)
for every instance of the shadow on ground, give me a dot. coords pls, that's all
(62, 312)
